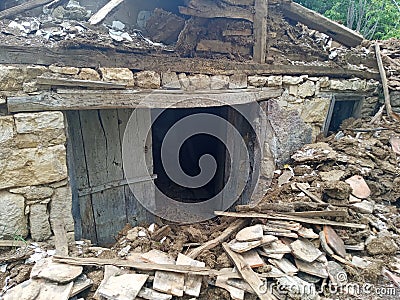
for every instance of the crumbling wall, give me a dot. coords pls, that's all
(34, 188)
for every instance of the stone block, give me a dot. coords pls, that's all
(46, 138)
(13, 221)
(39, 222)
(33, 192)
(294, 90)
(184, 81)
(30, 87)
(34, 165)
(148, 80)
(315, 110)
(64, 70)
(238, 81)
(395, 98)
(219, 82)
(199, 81)
(7, 131)
(36, 122)
(307, 89)
(61, 207)
(88, 74)
(257, 81)
(34, 71)
(11, 78)
(355, 84)
(274, 81)
(292, 80)
(120, 75)
(324, 82)
(170, 80)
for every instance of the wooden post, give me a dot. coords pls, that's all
(260, 30)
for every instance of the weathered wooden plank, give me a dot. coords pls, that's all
(290, 218)
(77, 162)
(211, 9)
(104, 164)
(314, 20)
(260, 31)
(239, 2)
(90, 100)
(259, 287)
(221, 47)
(12, 11)
(104, 11)
(13, 243)
(54, 81)
(92, 58)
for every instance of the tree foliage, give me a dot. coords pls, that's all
(375, 19)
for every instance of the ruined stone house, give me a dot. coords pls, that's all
(69, 87)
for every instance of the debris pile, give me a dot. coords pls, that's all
(329, 222)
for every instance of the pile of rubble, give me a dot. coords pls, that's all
(328, 227)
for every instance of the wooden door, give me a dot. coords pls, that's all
(103, 201)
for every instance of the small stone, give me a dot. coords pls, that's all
(7, 132)
(13, 222)
(30, 87)
(292, 80)
(219, 82)
(88, 74)
(118, 25)
(334, 175)
(382, 245)
(253, 259)
(26, 290)
(276, 247)
(241, 247)
(359, 186)
(184, 81)
(307, 89)
(336, 189)
(285, 177)
(395, 143)
(33, 192)
(360, 262)
(148, 79)
(305, 250)
(324, 82)
(64, 70)
(157, 257)
(337, 274)
(307, 233)
(121, 287)
(285, 265)
(52, 271)
(120, 75)
(36, 122)
(252, 233)
(364, 207)
(39, 222)
(170, 80)
(294, 90)
(257, 81)
(238, 81)
(334, 241)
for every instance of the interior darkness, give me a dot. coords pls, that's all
(189, 155)
(341, 111)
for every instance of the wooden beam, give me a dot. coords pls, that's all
(107, 99)
(94, 84)
(13, 243)
(211, 9)
(95, 57)
(222, 47)
(104, 11)
(314, 20)
(284, 217)
(260, 31)
(12, 11)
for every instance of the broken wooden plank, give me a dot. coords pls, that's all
(104, 11)
(290, 218)
(95, 84)
(13, 243)
(259, 287)
(210, 9)
(314, 20)
(92, 99)
(240, 2)
(93, 57)
(319, 213)
(235, 226)
(80, 284)
(60, 236)
(260, 31)
(125, 263)
(309, 194)
(12, 11)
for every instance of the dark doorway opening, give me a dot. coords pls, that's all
(190, 152)
(342, 107)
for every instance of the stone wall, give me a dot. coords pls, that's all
(34, 187)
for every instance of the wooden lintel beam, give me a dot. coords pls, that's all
(108, 99)
(314, 20)
(260, 31)
(12, 11)
(93, 58)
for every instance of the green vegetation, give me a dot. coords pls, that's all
(375, 19)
